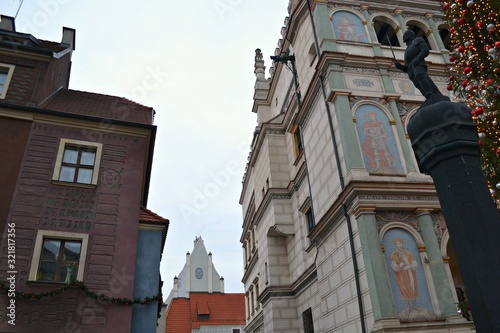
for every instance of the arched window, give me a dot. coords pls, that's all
(386, 29)
(419, 32)
(444, 33)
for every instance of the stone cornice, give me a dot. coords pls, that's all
(303, 281)
(364, 195)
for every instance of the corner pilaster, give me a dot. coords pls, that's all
(376, 271)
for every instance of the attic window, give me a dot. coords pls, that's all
(203, 311)
(6, 72)
(204, 316)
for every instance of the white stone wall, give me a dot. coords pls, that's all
(321, 161)
(337, 285)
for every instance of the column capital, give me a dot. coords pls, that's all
(363, 211)
(339, 93)
(423, 211)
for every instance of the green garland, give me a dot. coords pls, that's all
(81, 285)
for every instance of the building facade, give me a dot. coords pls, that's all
(80, 251)
(341, 231)
(198, 303)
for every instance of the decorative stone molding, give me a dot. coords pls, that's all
(383, 218)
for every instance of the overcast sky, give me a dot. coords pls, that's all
(193, 62)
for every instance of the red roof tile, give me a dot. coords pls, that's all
(99, 105)
(202, 308)
(223, 309)
(177, 316)
(148, 216)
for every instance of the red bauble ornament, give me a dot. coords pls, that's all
(461, 21)
(480, 142)
(467, 70)
(452, 78)
(452, 59)
(449, 87)
(489, 82)
(461, 49)
(479, 24)
(491, 14)
(478, 111)
(498, 151)
(465, 83)
(491, 31)
(497, 45)
(446, 6)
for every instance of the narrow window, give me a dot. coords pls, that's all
(3, 79)
(298, 141)
(6, 72)
(256, 285)
(59, 260)
(307, 321)
(310, 219)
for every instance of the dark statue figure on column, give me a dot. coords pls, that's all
(446, 145)
(415, 65)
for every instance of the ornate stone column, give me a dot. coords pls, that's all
(436, 264)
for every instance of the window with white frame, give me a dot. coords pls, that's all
(58, 256)
(6, 72)
(78, 162)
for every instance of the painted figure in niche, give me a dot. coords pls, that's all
(406, 274)
(349, 27)
(375, 144)
(406, 87)
(404, 267)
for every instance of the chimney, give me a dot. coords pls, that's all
(210, 273)
(7, 23)
(221, 285)
(176, 286)
(69, 37)
(188, 273)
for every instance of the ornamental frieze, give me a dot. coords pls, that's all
(383, 218)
